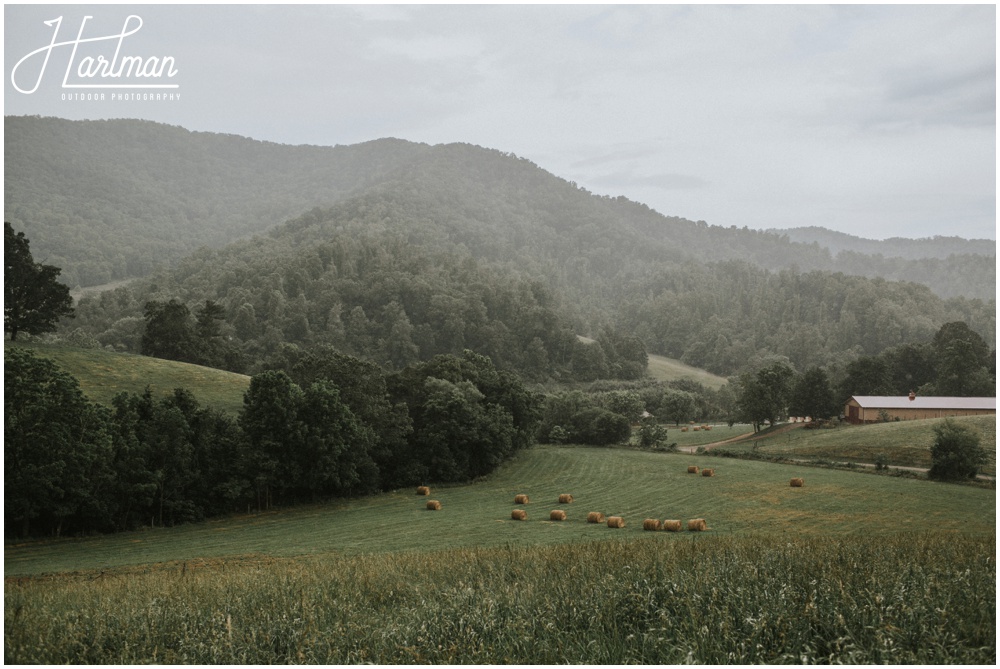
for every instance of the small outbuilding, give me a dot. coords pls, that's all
(874, 408)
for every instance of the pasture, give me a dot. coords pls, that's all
(743, 498)
(848, 568)
(904, 443)
(665, 369)
(103, 374)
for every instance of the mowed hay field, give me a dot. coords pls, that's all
(850, 568)
(103, 374)
(905, 443)
(743, 498)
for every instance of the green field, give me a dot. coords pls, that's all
(850, 568)
(668, 369)
(916, 598)
(905, 443)
(744, 498)
(718, 433)
(103, 374)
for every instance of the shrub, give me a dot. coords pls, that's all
(956, 453)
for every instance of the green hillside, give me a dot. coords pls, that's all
(107, 200)
(905, 444)
(743, 498)
(103, 374)
(667, 369)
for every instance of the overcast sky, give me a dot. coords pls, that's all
(878, 121)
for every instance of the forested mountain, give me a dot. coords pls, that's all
(389, 277)
(895, 247)
(424, 250)
(106, 200)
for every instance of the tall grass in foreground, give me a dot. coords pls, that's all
(927, 599)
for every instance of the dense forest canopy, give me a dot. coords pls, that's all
(427, 250)
(938, 246)
(381, 281)
(348, 430)
(107, 200)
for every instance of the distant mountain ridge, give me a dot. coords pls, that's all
(107, 200)
(895, 247)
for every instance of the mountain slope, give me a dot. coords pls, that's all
(106, 200)
(896, 247)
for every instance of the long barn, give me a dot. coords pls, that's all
(873, 408)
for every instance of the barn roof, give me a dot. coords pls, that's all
(928, 402)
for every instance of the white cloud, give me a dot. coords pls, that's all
(860, 118)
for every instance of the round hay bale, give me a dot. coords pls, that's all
(651, 525)
(518, 514)
(616, 521)
(423, 490)
(697, 525)
(692, 469)
(595, 517)
(433, 505)
(520, 499)
(708, 472)
(798, 483)
(557, 514)
(708, 427)
(565, 499)
(672, 525)
(696, 428)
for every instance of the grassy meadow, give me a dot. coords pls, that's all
(905, 443)
(743, 498)
(718, 432)
(668, 369)
(103, 374)
(849, 568)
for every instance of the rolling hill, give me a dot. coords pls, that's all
(103, 374)
(107, 200)
(667, 369)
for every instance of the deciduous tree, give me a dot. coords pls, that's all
(811, 395)
(34, 299)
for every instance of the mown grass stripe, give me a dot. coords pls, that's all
(743, 498)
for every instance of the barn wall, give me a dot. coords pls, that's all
(871, 414)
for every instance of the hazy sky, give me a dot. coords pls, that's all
(877, 121)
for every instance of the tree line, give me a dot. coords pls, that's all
(328, 425)
(147, 195)
(958, 362)
(374, 296)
